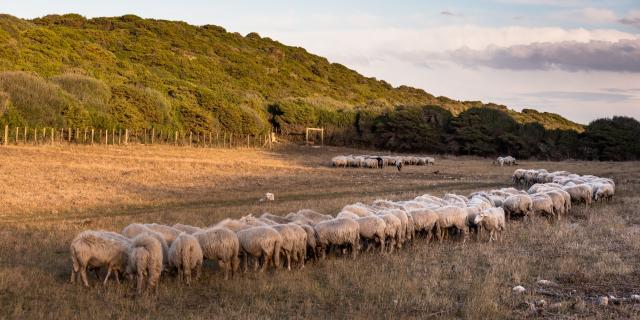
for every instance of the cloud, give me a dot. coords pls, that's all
(632, 19)
(580, 96)
(598, 15)
(619, 56)
(447, 13)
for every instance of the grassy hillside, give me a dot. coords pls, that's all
(141, 73)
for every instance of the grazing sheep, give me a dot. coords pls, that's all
(274, 218)
(451, 217)
(543, 204)
(339, 161)
(558, 202)
(430, 161)
(372, 230)
(311, 239)
(260, 242)
(289, 241)
(186, 228)
(232, 224)
(580, 193)
(337, 232)
(185, 255)
(517, 204)
(392, 229)
(404, 225)
(300, 244)
(358, 209)
(169, 233)
(347, 215)
(145, 261)
(426, 222)
(222, 245)
(95, 249)
(604, 192)
(135, 229)
(492, 220)
(307, 215)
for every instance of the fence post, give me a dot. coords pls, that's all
(17, 134)
(231, 140)
(25, 135)
(35, 136)
(126, 136)
(52, 135)
(119, 136)
(77, 134)
(113, 136)
(44, 135)
(106, 136)
(190, 138)
(153, 134)
(6, 135)
(175, 139)
(84, 138)
(92, 133)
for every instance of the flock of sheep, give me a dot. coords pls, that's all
(376, 161)
(144, 251)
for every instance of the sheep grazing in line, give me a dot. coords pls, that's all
(274, 218)
(169, 233)
(359, 209)
(392, 229)
(289, 242)
(558, 202)
(260, 242)
(452, 218)
(339, 162)
(543, 204)
(300, 244)
(604, 192)
(311, 239)
(337, 232)
(492, 220)
(232, 224)
(518, 204)
(186, 228)
(185, 255)
(347, 215)
(426, 222)
(309, 216)
(145, 262)
(372, 230)
(221, 245)
(580, 193)
(95, 249)
(134, 229)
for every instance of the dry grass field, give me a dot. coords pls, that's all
(49, 194)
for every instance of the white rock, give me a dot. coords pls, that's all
(518, 289)
(268, 197)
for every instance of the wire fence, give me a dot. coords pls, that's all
(92, 136)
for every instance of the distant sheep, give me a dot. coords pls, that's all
(185, 255)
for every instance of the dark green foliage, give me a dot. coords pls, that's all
(613, 139)
(413, 128)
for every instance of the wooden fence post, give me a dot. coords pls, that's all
(190, 138)
(106, 136)
(145, 135)
(231, 140)
(175, 139)
(69, 135)
(126, 136)
(93, 131)
(6, 135)
(17, 133)
(84, 137)
(120, 136)
(77, 135)
(25, 135)
(35, 136)
(153, 134)
(113, 136)
(52, 135)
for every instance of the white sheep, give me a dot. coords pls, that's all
(222, 245)
(167, 232)
(260, 242)
(135, 229)
(185, 255)
(372, 230)
(451, 217)
(186, 228)
(347, 215)
(339, 161)
(580, 193)
(289, 241)
(309, 216)
(311, 239)
(145, 261)
(604, 191)
(492, 220)
(392, 229)
(274, 218)
(426, 222)
(558, 202)
(543, 204)
(519, 204)
(95, 249)
(337, 232)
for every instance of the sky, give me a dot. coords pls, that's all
(578, 58)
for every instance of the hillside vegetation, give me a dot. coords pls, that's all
(141, 73)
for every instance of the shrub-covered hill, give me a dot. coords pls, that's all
(65, 70)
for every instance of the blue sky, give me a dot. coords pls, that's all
(577, 58)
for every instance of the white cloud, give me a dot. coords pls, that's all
(598, 15)
(632, 18)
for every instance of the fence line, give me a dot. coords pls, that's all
(113, 136)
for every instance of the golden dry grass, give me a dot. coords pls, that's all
(49, 194)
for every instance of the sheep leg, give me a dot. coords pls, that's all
(354, 249)
(382, 241)
(140, 283)
(83, 275)
(117, 277)
(288, 254)
(73, 276)
(104, 283)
